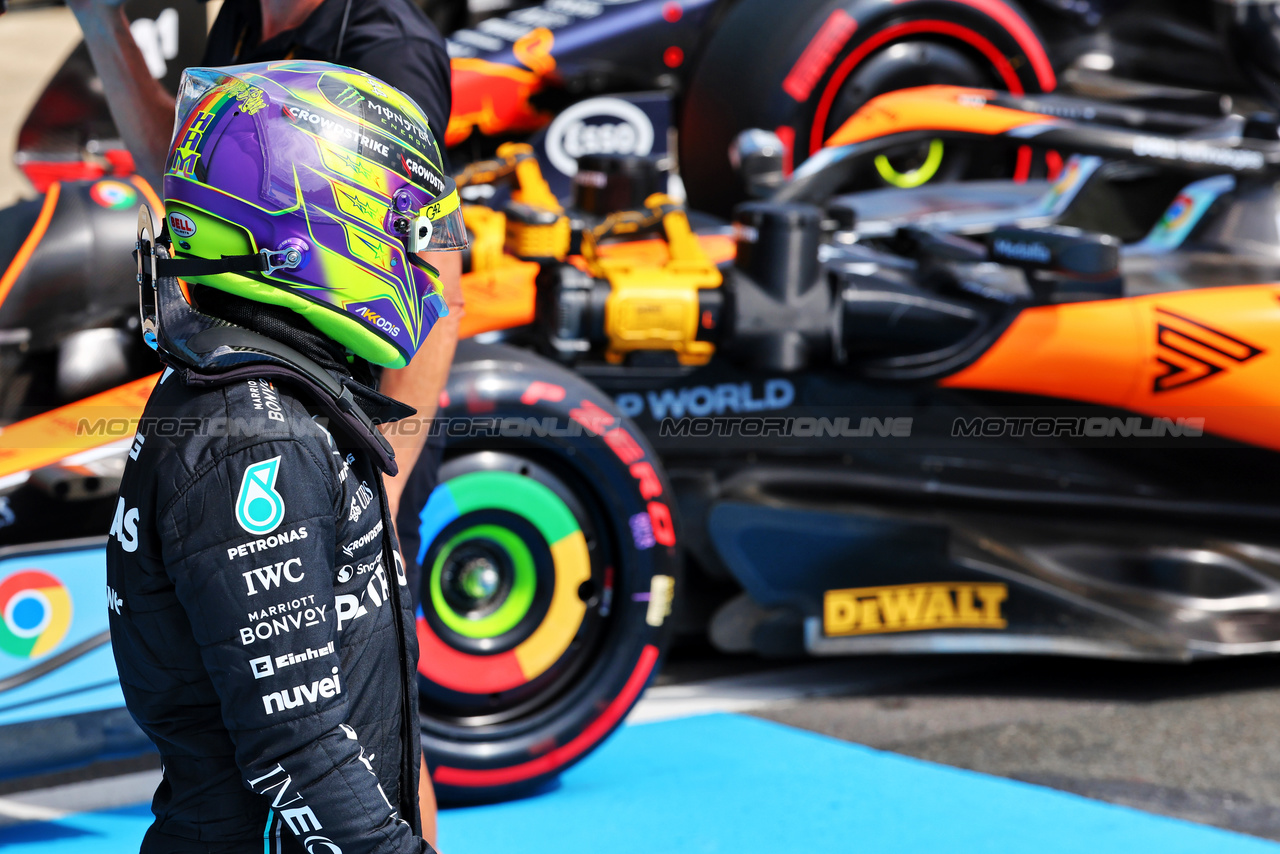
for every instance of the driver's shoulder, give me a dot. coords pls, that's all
(190, 430)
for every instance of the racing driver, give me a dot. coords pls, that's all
(260, 615)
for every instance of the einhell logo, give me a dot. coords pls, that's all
(913, 608)
(1189, 351)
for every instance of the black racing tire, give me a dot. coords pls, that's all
(801, 72)
(518, 678)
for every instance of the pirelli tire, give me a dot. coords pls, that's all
(549, 561)
(803, 67)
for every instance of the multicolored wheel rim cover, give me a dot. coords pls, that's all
(470, 673)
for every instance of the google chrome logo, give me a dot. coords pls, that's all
(37, 613)
(113, 195)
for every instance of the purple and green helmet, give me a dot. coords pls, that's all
(331, 168)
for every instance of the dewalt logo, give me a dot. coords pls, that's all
(913, 608)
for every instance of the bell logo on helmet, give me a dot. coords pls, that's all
(259, 508)
(181, 225)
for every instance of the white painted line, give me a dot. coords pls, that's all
(28, 812)
(103, 793)
(756, 690)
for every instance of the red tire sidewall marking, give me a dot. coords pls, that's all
(566, 753)
(880, 38)
(1016, 26)
(642, 488)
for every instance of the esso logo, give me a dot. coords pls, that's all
(181, 225)
(597, 126)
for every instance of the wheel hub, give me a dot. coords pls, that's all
(475, 579)
(479, 578)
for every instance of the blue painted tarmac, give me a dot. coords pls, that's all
(727, 783)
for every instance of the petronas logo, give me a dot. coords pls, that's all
(259, 508)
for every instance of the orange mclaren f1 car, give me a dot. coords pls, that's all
(982, 417)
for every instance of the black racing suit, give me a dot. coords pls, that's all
(262, 629)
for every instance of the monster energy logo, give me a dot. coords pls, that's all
(403, 122)
(259, 508)
(349, 97)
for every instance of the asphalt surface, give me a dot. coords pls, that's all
(1199, 742)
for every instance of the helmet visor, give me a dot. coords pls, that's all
(439, 226)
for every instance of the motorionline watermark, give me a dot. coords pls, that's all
(455, 427)
(789, 427)
(1077, 427)
(177, 426)
(691, 427)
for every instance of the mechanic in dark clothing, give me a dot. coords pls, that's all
(391, 39)
(260, 613)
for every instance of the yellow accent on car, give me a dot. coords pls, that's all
(488, 230)
(654, 307)
(914, 608)
(912, 177)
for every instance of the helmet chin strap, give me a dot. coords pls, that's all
(264, 261)
(214, 352)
